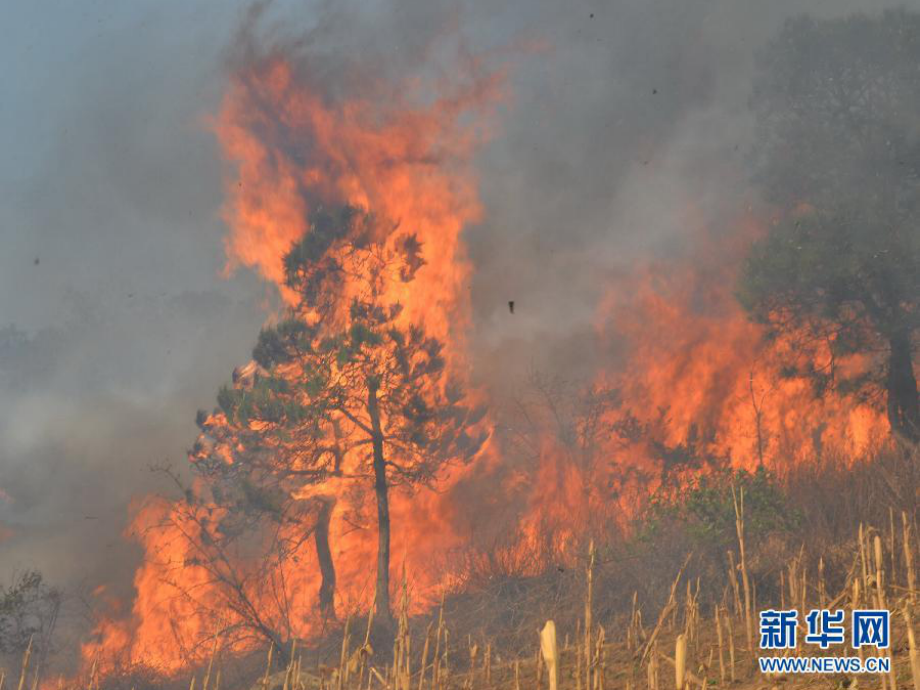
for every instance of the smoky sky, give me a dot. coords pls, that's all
(118, 323)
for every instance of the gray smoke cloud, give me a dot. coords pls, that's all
(115, 323)
(628, 112)
(637, 113)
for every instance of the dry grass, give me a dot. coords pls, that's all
(587, 628)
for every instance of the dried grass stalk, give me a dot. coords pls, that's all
(550, 653)
(680, 661)
(912, 649)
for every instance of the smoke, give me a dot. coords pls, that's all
(115, 324)
(626, 137)
(627, 127)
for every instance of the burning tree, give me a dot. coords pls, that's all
(835, 104)
(257, 478)
(226, 554)
(347, 389)
(834, 283)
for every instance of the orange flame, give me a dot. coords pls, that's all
(692, 374)
(409, 164)
(292, 150)
(698, 366)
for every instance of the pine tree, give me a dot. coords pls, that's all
(346, 386)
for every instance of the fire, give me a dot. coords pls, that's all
(407, 163)
(702, 375)
(691, 379)
(291, 149)
(691, 385)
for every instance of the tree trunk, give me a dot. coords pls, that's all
(324, 556)
(901, 388)
(381, 489)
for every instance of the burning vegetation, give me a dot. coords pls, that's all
(356, 471)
